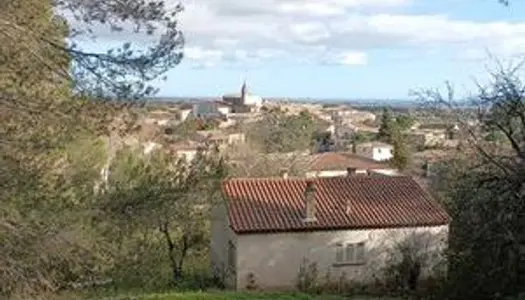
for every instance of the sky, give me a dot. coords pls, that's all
(338, 49)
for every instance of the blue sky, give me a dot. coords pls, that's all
(339, 48)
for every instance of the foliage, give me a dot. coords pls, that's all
(323, 140)
(249, 160)
(166, 198)
(404, 122)
(484, 195)
(42, 247)
(401, 153)
(47, 110)
(386, 126)
(235, 296)
(279, 132)
(307, 277)
(407, 261)
(251, 284)
(361, 137)
(186, 129)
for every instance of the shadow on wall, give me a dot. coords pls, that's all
(393, 261)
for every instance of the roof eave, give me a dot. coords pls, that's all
(319, 229)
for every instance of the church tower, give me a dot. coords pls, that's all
(244, 92)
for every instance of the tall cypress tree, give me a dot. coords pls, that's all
(386, 126)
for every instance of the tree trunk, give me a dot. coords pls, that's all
(183, 252)
(176, 268)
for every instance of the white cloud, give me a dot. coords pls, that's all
(330, 31)
(353, 58)
(204, 57)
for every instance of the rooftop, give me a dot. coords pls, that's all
(327, 161)
(331, 161)
(262, 205)
(374, 144)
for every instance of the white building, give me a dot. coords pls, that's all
(210, 109)
(346, 226)
(333, 164)
(376, 150)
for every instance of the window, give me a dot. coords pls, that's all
(353, 253)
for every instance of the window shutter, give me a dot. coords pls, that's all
(350, 253)
(339, 253)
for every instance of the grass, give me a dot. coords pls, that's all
(237, 296)
(230, 296)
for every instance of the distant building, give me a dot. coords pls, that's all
(243, 102)
(333, 164)
(210, 109)
(375, 150)
(186, 150)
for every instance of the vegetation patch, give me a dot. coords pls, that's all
(236, 296)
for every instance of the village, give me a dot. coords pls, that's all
(338, 202)
(231, 115)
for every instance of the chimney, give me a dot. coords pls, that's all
(284, 173)
(309, 197)
(427, 168)
(351, 171)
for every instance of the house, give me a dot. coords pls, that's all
(210, 109)
(353, 115)
(375, 150)
(219, 137)
(330, 164)
(187, 150)
(326, 164)
(348, 227)
(421, 138)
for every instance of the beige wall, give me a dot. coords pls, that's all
(338, 173)
(335, 173)
(275, 259)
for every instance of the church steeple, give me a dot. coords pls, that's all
(244, 91)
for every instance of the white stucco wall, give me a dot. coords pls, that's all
(335, 173)
(338, 173)
(225, 110)
(382, 153)
(184, 114)
(275, 259)
(389, 172)
(254, 100)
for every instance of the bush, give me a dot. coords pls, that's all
(252, 282)
(307, 277)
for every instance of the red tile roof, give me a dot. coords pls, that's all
(330, 161)
(277, 205)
